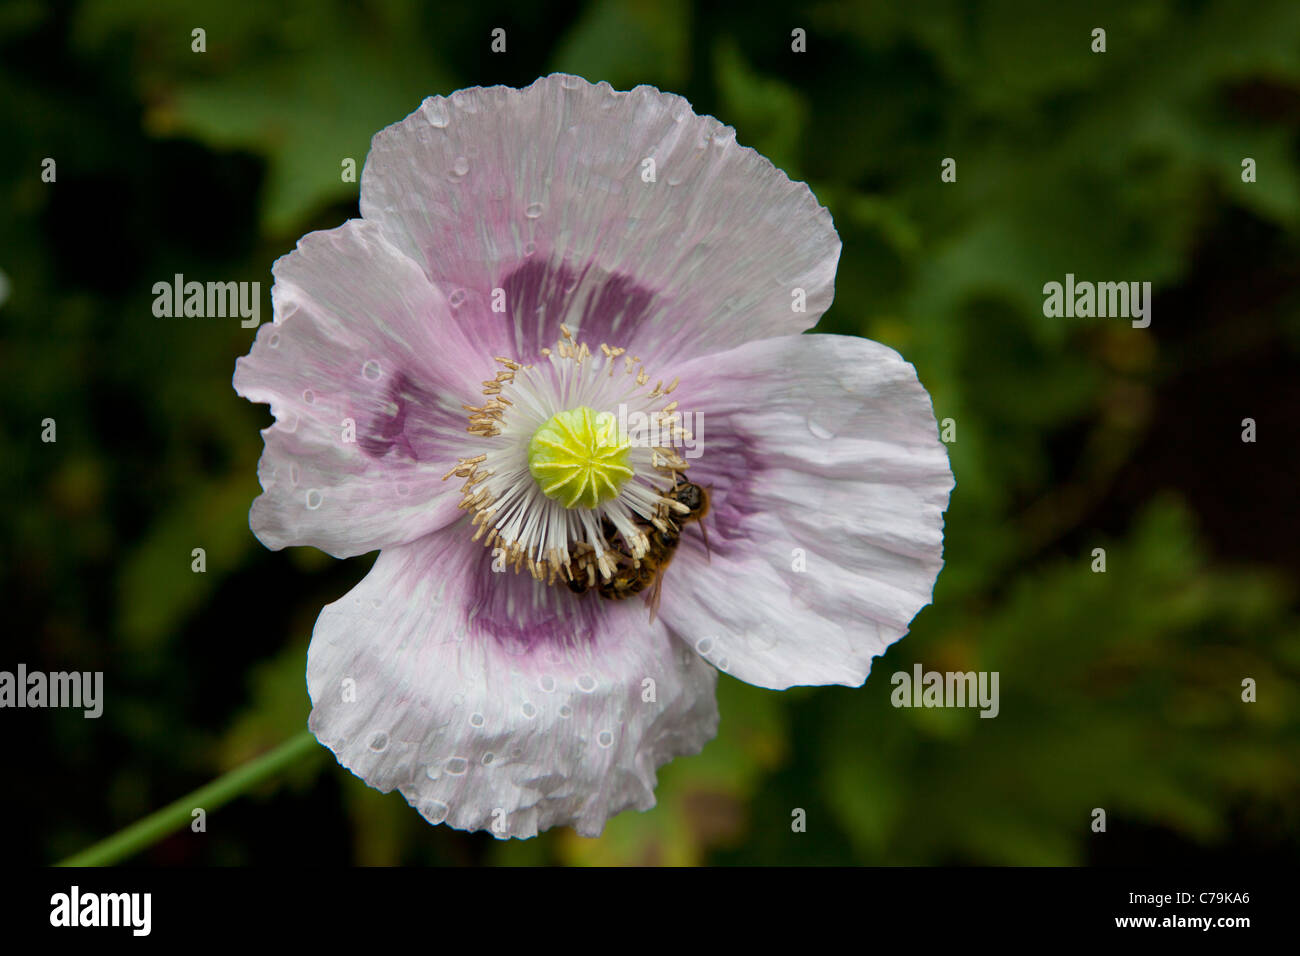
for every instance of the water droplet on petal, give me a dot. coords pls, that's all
(566, 711)
(435, 811)
(461, 166)
(309, 397)
(605, 738)
(534, 210)
(586, 683)
(456, 299)
(819, 430)
(488, 758)
(456, 766)
(379, 742)
(476, 719)
(371, 370)
(274, 341)
(436, 111)
(704, 645)
(529, 710)
(314, 499)
(547, 684)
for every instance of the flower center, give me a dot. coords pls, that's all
(561, 485)
(579, 458)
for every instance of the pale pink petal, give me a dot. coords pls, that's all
(823, 453)
(541, 193)
(362, 337)
(492, 702)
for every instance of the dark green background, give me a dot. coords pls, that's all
(1118, 690)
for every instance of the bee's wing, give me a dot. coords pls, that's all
(704, 531)
(656, 592)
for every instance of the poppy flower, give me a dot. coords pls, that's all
(564, 311)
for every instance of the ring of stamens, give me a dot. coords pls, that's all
(511, 511)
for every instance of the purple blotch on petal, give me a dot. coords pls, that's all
(524, 615)
(541, 295)
(410, 430)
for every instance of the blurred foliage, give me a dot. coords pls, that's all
(1118, 690)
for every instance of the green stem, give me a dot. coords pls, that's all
(176, 815)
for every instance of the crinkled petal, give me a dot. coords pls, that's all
(365, 372)
(492, 702)
(829, 487)
(543, 193)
